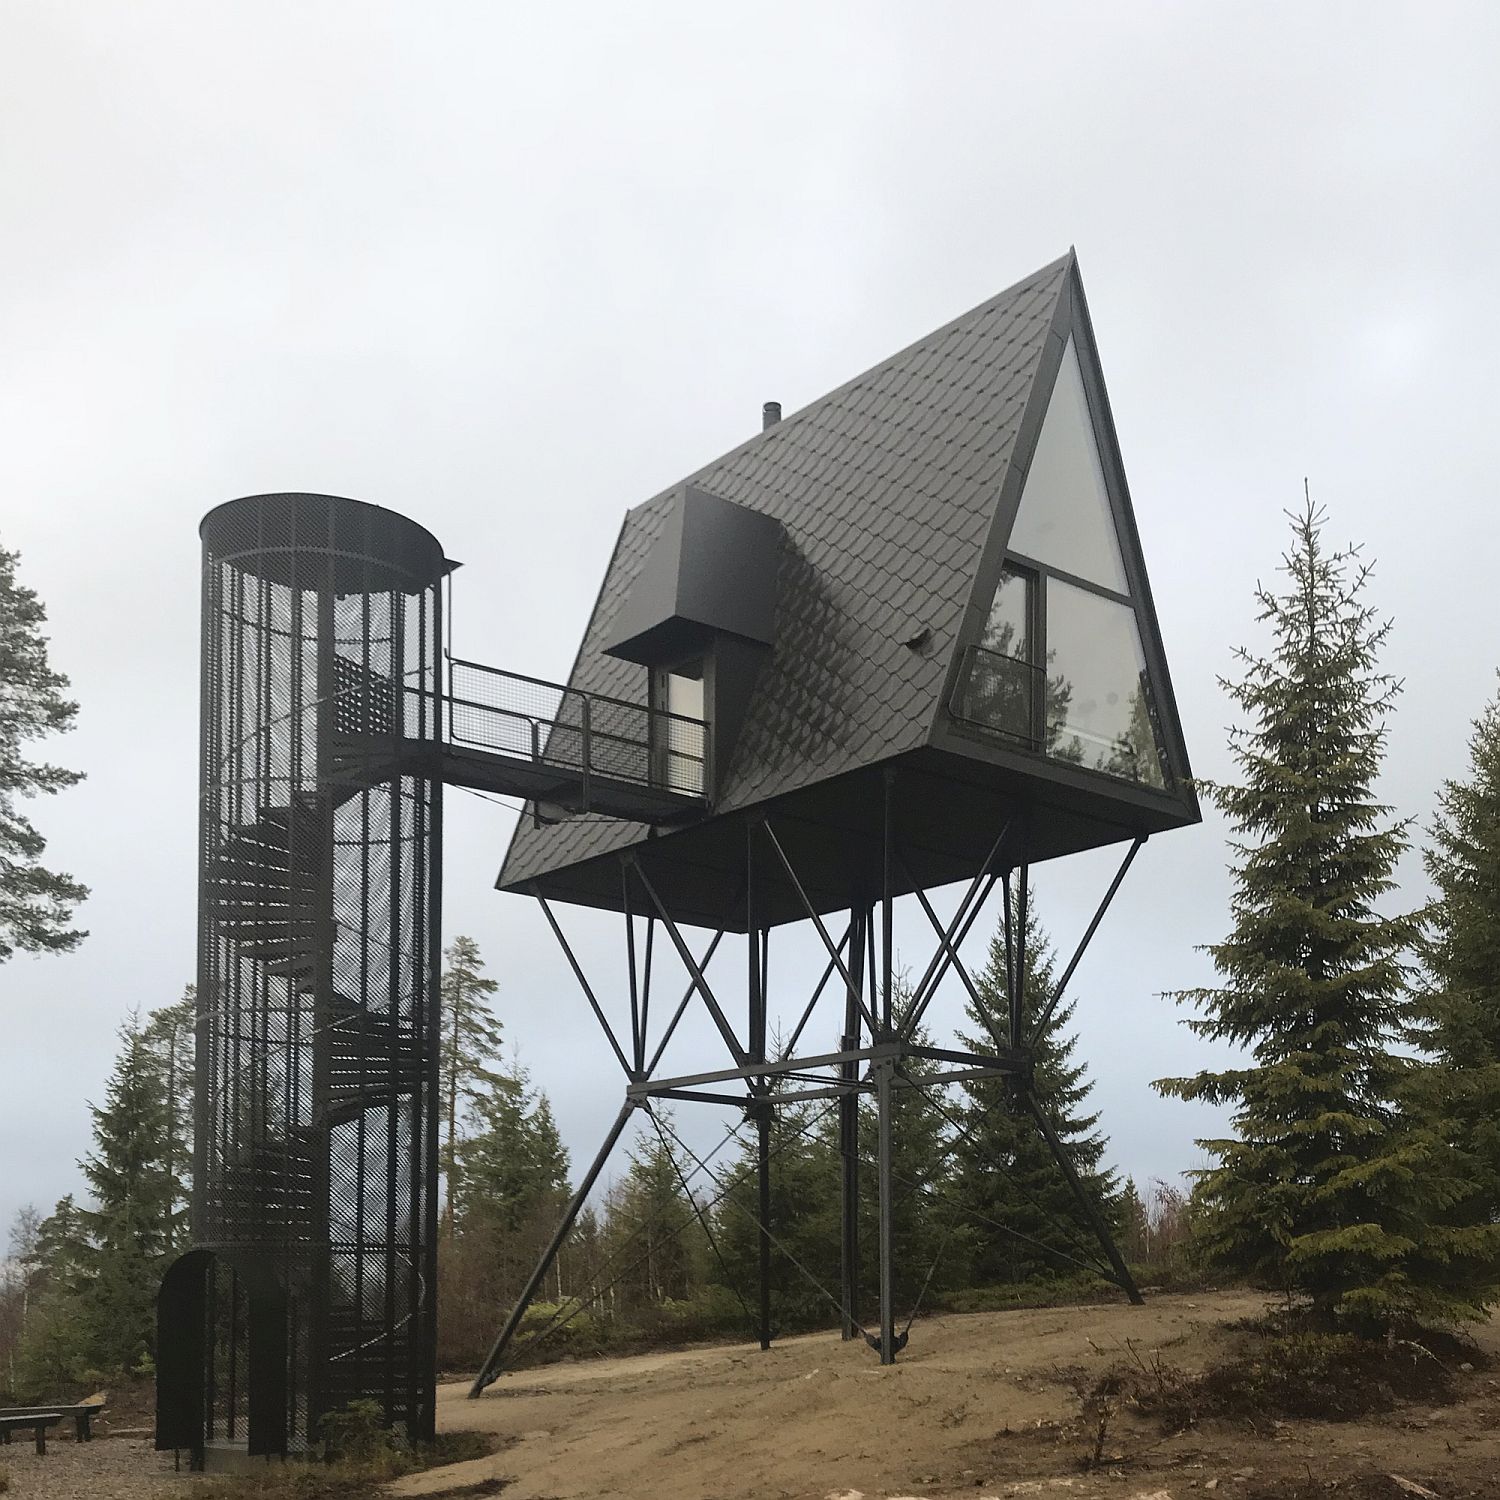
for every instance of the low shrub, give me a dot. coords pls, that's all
(1040, 1291)
(1285, 1371)
(1332, 1376)
(348, 1477)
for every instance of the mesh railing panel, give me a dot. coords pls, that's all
(510, 714)
(1002, 693)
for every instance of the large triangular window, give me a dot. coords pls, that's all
(1060, 669)
(1065, 519)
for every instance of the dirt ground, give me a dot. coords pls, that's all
(977, 1405)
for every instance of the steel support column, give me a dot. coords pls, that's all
(763, 1216)
(759, 1086)
(859, 918)
(883, 1080)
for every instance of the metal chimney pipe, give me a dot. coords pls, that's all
(770, 414)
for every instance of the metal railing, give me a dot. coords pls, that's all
(1001, 692)
(508, 713)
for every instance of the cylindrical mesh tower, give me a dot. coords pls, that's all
(315, 1166)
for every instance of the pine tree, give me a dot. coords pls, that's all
(1026, 1221)
(131, 1227)
(470, 1044)
(1325, 1192)
(36, 904)
(1458, 1096)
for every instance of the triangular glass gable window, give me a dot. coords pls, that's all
(1060, 668)
(1065, 519)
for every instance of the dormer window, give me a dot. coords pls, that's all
(699, 616)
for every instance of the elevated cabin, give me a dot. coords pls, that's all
(926, 586)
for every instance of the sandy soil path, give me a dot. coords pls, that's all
(978, 1401)
(983, 1405)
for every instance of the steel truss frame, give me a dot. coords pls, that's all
(876, 1044)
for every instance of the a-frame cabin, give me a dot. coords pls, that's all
(932, 570)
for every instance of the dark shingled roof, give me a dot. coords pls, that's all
(886, 488)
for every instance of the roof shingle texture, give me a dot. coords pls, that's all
(886, 489)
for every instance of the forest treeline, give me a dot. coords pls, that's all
(1360, 1176)
(670, 1250)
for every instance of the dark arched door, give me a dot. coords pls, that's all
(221, 1359)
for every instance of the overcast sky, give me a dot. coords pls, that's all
(511, 269)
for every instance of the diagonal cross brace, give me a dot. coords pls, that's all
(958, 929)
(731, 1041)
(980, 1008)
(1084, 941)
(583, 982)
(833, 952)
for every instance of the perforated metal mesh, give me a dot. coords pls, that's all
(318, 957)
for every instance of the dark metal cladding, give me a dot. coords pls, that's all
(314, 1214)
(711, 572)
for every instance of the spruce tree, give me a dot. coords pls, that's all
(804, 1220)
(470, 1044)
(1324, 1192)
(130, 1228)
(650, 1208)
(925, 1233)
(1458, 1095)
(1135, 1227)
(511, 1159)
(60, 1252)
(510, 1178)
(36, 904)
(1025, 1219)
(170, 1036)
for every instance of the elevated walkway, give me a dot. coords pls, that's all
(566, 751)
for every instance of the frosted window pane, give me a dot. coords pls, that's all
(685, 741)
(1064, 518)
(1098, 701)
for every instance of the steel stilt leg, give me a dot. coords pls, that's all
(887, 1268)
(1086, 1203)
(849, 1131)
(763, 1171)
(491, 1368)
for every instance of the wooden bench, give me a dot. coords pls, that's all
(38, 1421)
(82, 1413)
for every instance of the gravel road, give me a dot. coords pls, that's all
(107, 1469)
